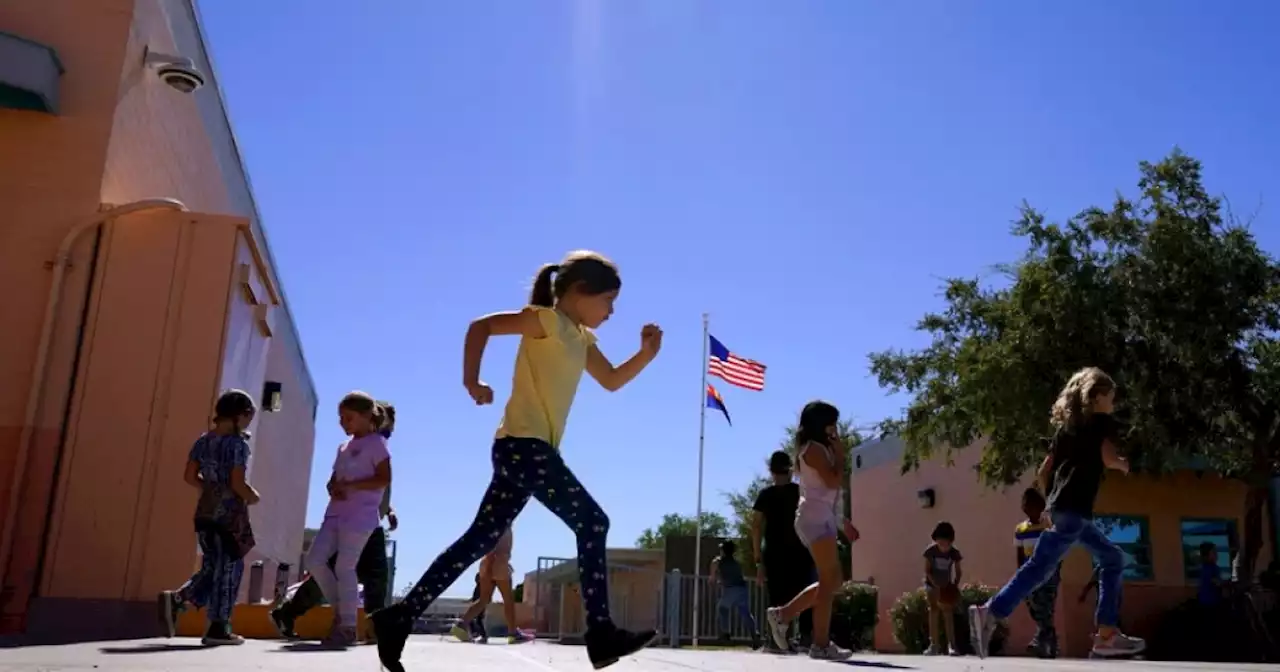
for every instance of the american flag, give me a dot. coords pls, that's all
(733, 369)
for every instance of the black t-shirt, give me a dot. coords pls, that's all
(1077, 465)
(778, 504)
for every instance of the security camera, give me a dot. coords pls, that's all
(178, 72)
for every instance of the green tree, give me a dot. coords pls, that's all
(517, 593)
(1166, 292)
(677, 525)
(742, 503)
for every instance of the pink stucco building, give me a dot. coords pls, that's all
(1158, 522)
(139, 284)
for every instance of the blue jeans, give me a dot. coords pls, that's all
(1068, 530)
(734, 597)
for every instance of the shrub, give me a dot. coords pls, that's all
(910, 616)
(854, 615)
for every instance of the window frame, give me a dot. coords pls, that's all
(1190, 556)
(1143, 523)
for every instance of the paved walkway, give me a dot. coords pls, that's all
(430, 654)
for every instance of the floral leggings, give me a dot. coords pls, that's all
(524, 468)
(217, 583)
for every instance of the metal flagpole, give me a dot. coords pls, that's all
(702, 437)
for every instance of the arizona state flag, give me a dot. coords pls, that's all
(714, 400)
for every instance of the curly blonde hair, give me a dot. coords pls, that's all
(1075, 402)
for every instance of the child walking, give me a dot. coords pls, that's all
(557, 344)
(1042, 600)
(1083, 447)
(361, 475)
(495, 572)
(942, 572)
(216, 467)
(822, 461)
(371, 569)
(783, 564)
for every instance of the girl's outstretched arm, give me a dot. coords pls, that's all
(613, 378)
(522, 323)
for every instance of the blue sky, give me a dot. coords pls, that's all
(807, 172)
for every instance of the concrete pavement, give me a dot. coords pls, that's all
(431, 654)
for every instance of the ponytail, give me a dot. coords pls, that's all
(543, 294)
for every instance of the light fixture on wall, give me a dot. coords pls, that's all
(926, 498)
(271, 396)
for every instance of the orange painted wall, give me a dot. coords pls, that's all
(50, 178)
(118, 522)
(895, 531)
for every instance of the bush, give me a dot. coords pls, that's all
(1222, 633)
(854, 615)
(910, 616)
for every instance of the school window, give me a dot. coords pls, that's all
(1133, 537)
(1220, 532)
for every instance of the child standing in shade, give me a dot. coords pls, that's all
(557, 344)
(1042, 600)
(734, 595)
(216, 467)
(361, 474)
(941, 572)
(1083, 447)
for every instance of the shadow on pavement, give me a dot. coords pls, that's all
(150, 648)
(876, 665)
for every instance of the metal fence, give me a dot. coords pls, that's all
(642, 598)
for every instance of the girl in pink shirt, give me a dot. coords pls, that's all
(361, 473)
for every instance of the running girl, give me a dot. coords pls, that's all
(569, 299)
(361, 474)
(216, 466)
(822, 457)
(1083, 447)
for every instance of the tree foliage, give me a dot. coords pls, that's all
(1167, 292)
(677, 525)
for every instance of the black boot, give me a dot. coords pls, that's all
(606, 644)
(391, 627)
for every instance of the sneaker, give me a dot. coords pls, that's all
(339, 637)
(169, 605)
(519, 637)
(607, 644)
(283, 623)
(392, 627)
(981, 626)
(1117, 645)
(829, 652)
(460, 633)
(953, 652)
(931, 651)
(219, 634)
(777, 627)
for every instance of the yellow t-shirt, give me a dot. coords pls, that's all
(546, 379)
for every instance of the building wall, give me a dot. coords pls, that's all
(123, 135)
(895, 531)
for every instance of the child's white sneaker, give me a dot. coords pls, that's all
(829, 652)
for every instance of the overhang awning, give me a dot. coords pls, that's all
(29, 74)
